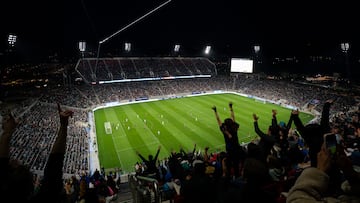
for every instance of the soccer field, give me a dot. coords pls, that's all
(175, 123)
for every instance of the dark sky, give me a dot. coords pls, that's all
(232, 27)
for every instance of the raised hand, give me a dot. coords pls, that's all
(330, 101)
(230, 104)
(295, 112)
(274, 112)
(255, 117)
(64, 115)
(213, 108)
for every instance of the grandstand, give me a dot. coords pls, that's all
(93, 70)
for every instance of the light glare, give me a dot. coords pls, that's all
(12, 39)
(127, 46)
(345, 46)
(207, 49)
(177, 48)
(82, 46)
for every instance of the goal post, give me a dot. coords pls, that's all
(108, 129)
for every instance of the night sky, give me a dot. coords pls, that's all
(231, 27)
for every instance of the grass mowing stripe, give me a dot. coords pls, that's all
(114, 116)
(110, 152)
(132, 126)
(188, 130)
(139, 133)
(195, 124)
(178, 125)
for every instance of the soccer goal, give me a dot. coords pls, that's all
(108, 129)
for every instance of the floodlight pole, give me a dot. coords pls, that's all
(345, 48)
(124, 28)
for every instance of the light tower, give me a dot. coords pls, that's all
(256, 56)
(345, 46)
(82, 48)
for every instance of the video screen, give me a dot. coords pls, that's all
(239, 65)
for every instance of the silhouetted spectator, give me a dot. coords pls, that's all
(230, 128)
(151, 168)
(313, 133)
(313, 183)
(266, 142)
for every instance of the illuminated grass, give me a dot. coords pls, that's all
(176, 123)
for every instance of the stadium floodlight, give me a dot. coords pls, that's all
(127, 46)
(12, 40)
(345, 47)
(207, 50)
(256, 49)
(177, 48)
(82, 46)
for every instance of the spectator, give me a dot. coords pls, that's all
(16, 175)
(312, 185)
(197, 186)
(52, 184)
(151, 168)
(230, 128)
(313, 133)
(266, 142)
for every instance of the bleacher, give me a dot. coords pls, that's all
(108, 69)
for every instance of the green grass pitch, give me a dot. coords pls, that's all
(175, 123)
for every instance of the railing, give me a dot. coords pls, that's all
(144, 189)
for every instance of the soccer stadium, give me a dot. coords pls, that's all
(121, 120)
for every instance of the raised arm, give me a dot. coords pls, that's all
(194, 150)
(256, 126)
(299, 125)
(141, 157)
(289, 123)
(206, 155)
(157, 153)
(52, 182)
(232, 115)
(274, 123)
(60, 142)
(217, 116)
(325, 115)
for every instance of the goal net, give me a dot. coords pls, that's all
(108, 129)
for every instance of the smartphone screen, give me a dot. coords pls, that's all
(330, 141)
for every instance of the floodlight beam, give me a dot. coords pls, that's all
(124, 28)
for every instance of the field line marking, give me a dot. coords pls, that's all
(133, 148)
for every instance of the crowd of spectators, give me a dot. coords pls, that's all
(283, 165)
(279, 91)
(33, 139)
(271, 170)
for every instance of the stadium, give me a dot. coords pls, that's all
(144, 122)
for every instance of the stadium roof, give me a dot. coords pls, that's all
(230, 26)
